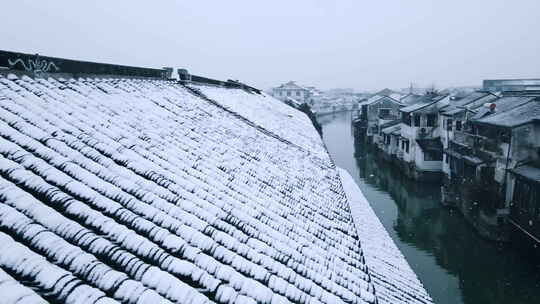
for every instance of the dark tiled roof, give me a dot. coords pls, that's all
(525, 113)
(139, 191)
(469, 102)
(503, 104)
(422, 102)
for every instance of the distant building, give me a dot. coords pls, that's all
(503, 85)
(498, 138)
(291, 90)
(340, 91)
(376, 111)
(421, 150)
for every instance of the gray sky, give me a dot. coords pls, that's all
(358, 44)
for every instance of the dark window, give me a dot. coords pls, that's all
(458, 125)
(288, 93)
(449, 123)
(297, 93)
(417, 120)
(469, 170)
(504, 136)
(432, 156)
(446, 158)
(406, 118)
(432, 120)
(406, 145)
(384, 112)
(524, 198)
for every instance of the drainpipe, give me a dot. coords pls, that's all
(507, 161)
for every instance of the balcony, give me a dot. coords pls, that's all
(477, 142)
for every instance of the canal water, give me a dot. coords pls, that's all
(453, 263)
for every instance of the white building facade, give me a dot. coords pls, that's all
(292, 90)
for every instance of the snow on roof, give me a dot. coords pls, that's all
(395, 281)
(423, 102)
(472, 98)
(469, 102)
(386, 92)
(396, 96)
(376, 98)
(277, 115)
(410, 99)
(389, 130)
(503, 104)
(525, 113)
(139, 191)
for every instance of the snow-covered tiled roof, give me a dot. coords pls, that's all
(469, 102)
(502, 105)
(410, 99)
(394, 279)
(525, 113)
(377, 98)
(420, 103)
(278, 117)
(140, 191)
(390, 129)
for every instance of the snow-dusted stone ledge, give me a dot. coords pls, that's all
(394, 279)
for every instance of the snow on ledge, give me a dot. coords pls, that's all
(394, 279)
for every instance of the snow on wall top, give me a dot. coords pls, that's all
(395, 281)
(279, 118)
(137, 191)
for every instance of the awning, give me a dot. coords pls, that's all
(432, 144)
(528, 172)
(470, 159)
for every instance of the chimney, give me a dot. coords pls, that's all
(167, 72)
(184, 75)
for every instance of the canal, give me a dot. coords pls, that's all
(453, 263)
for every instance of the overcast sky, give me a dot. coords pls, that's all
(359, 44)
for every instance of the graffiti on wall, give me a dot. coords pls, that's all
(36, 64)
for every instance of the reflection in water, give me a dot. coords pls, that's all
(453, 263)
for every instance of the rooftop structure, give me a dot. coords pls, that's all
(147, 190)
(504, 85)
